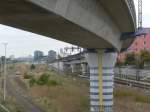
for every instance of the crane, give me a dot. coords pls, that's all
(140, 14)
(140, 30)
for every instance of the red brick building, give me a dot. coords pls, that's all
(140, 43)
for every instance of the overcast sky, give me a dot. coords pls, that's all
(22, 43)
(146, 12)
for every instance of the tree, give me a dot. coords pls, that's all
(32, 67)
(130, 59)
(141, 58)
(145, 55)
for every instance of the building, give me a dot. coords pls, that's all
(139, 44)
(72, 64)
(12, 57)
(51, 56)
(38, 55)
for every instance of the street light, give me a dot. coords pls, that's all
(4, 85)
(1, 70)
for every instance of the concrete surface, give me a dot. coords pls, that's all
(87, 23)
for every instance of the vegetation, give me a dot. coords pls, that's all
(43, 79)
(131, 100)
(27, 76)
(137, 59)
(32, 67)
(61, 93)
(10, 103)
(57, 93)
(130, 59)
(32, 81)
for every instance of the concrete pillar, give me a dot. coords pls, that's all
(73, 68)
(101, 80)
(84, 68)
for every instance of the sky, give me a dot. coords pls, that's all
(21, 43)
(146, 12)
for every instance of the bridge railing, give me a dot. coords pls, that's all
(131, 5)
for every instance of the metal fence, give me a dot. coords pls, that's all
(132, 73)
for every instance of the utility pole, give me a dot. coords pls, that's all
(1, 70)
(58, 67)
(5, 72)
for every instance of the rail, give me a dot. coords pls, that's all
(133, 83)
(3, 108)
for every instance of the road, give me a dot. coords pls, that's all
(24, 101)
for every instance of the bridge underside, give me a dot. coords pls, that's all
(87, 23)
(27, 16)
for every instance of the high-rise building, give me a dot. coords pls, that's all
(38, 55)
(51, 56)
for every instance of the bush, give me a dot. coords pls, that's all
(130, 59)
(27, 76)
(32, 81)
(32, 67)
(52, 83)
(44, 79)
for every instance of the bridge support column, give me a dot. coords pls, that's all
(84, 68)
(73, 68)
(101, 80)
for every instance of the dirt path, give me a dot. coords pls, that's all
(22, 98)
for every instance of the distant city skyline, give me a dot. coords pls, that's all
(21, 43)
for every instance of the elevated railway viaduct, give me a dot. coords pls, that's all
(97, 25)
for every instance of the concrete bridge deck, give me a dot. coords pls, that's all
(96, 24)
(87, 23)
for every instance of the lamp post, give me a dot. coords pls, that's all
(5, 72)
(1, 69)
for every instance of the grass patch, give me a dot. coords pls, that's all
(123, 94)
(43, 79)
(10, 104)
(137, 97)
(62, 94)
(142, 99)
(53, 83)
(27, 76)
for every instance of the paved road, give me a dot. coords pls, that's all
(22, 99)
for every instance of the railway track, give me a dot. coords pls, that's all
(129, 82)
(3, 109)
(133, 83)
(123, 81)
